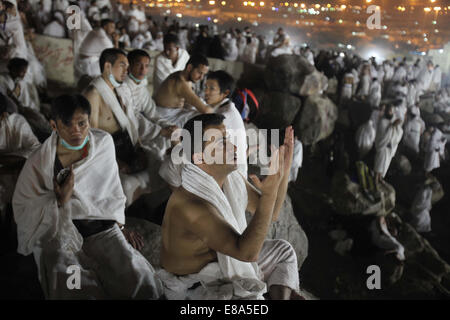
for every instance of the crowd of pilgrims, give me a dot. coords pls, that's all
(392, 88)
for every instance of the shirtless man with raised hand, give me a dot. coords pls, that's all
(175, 94)
(198, 231)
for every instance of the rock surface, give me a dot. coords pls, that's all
(277, 110)
(316, 120)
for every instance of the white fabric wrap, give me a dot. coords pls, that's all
(246, 278)
(97, 194)
(128, 120)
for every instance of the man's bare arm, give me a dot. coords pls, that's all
(221, 237)
(94, 99)
(191, 98)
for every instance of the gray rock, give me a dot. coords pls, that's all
(288, 228)
(316, 120)
(152, 239)
(278, 110)
(314, 83)
(286, 73)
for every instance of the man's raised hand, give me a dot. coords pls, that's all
(271, 183)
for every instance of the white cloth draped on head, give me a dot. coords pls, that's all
(420, 209)
(435, 149)
(231, 203)
(387, 139)
(90, 49)
(365, 137)
(413, 129)
(14, 30)
(164, 67)
(126, 119)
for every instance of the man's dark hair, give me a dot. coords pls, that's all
(136, 54)
(17, 64)
(110, 55)
(196, 60)
(224, 79)
(206, 119)
(104, 22)
(171, 38)
(64, 107)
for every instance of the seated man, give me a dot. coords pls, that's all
(113, 111)
(69, 209)
(171, 60)
(136, 80)
(14, 85)
(17, 142)
(205, 237)
(175, 97)
(218, 88)
(97, 40)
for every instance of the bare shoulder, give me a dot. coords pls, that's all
(91, 92)
(189, 207)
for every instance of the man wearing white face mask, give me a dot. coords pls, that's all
(113, 110)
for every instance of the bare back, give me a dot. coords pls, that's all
(102, 116)
(169, 93)
(182, 251)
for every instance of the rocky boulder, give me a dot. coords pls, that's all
(288, 228)
(287, 73)
(314, 83)
(277, 110)
(316, 120)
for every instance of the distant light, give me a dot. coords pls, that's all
(215, 20)
(212, 2)
(349, 46)
(434, 22)
(437, 8)
(223, 3)
(295, 5)
(368, 1)
(209, 18)
(179, 15)
(261, 4)
(340, 21)
(424, 53)
(343, 7)
(436, 31)
(427, 9)
(302, 5)
(245, 3)
(441, 51)
(342, 54)
(425, 39)
(239, 19)
(286, 4)
(317, 6)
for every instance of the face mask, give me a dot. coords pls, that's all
(113, 81)
(68, 146)
(134, 78)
